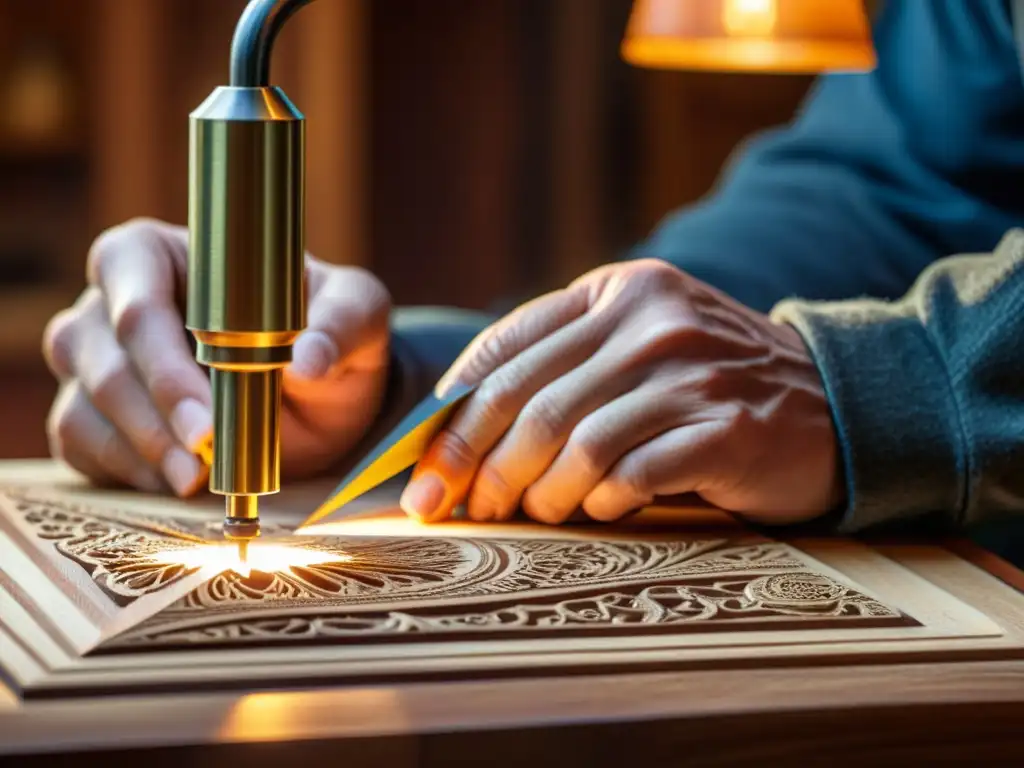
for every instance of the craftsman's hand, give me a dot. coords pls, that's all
(133, 401)
(636, 381)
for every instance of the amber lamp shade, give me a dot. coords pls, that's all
(784, 36)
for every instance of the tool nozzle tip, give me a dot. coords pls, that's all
(241, 519)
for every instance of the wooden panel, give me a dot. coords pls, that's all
(100, 601)
(133, 120)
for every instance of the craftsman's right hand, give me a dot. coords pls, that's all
(134, 404)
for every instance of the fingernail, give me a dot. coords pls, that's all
(445, 385)
(422, 497)
(182, 470)
(192, 423)
(312, 356)
(442, 387)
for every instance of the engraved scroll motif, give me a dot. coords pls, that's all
(379, 569)
(522, 588)
(416, 589)
(115, 548)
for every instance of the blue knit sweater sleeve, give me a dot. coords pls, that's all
(878, 175)
(927, 392)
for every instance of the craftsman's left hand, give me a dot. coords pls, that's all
(636, 381)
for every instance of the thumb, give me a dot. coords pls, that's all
(347, 318)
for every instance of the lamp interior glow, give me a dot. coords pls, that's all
(780, 36)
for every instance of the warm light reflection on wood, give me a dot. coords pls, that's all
(263, 556)
(394, 523)
(261, 716)
(275, 716)
(749, 17)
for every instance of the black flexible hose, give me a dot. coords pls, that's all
(255, 33)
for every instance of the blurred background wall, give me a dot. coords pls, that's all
(470, 152)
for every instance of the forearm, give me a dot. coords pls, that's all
(926, 392)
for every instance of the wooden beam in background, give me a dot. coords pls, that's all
(663, 134)
(577, 137)
(329, 50)
(447, 135)
(693, 122)
(200, 52)
(132, 123)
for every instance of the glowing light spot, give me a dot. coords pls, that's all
(755, 18)
(266, 557)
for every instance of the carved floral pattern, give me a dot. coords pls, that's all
(115, 548)
(705, 605)
(116, 551)
(432, 588)
(511, 588)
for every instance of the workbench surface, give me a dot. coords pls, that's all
(819, 714)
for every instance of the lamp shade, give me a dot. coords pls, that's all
(785, 36)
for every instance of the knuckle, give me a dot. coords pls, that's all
(742, 422)
(543, 509)
(62, 426)
(108, 451)
(496, 343)
(107, 247)
(166, 384)
(102, 251)
(146, 224)
(58, 341)
(495, 396)
(544, 419)
(656, 275)
(454, 451)
(492, 351)
(98, 256)
(713, 382)
(588, 449)
(493, 486)
(669, 336)
(632, 481)
(348, 296)
(128, 319)
(108, 386)
(370, 287)
(707, 384)
(618, 494)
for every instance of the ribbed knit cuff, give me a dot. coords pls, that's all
(895, 415)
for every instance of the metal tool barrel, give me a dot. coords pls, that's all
(246, 297)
